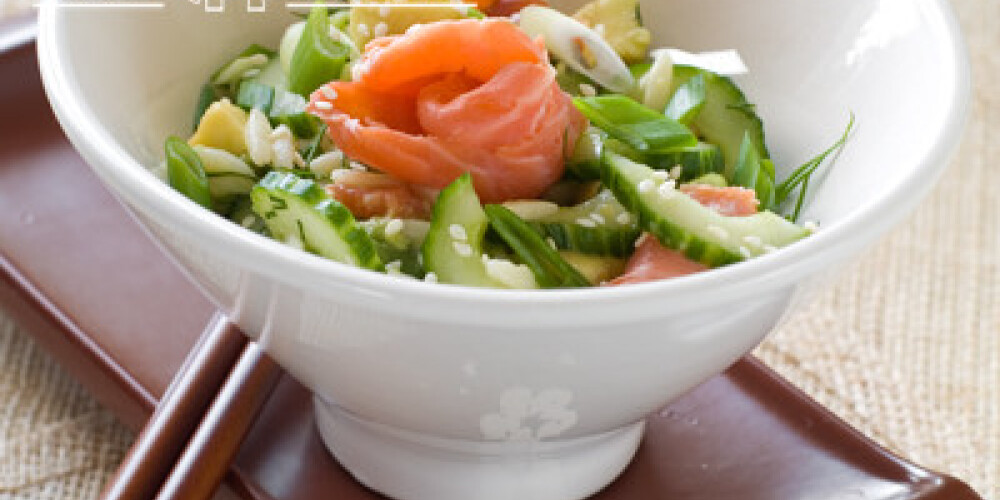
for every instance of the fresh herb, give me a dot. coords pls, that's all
(318, 58)
(636, 125)
(186, 173)
(799, 179)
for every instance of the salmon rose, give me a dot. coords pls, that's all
(435, 103)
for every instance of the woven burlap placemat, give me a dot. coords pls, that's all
(905, 346)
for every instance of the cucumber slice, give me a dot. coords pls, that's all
(549, 268)
(599, 226)
(682, 223)
(453, 250)
(299, 211)
(725, 117)
(695, 161)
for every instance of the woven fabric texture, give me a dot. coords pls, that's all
(905, 345)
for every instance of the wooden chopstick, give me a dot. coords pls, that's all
(181, 409)
(204, 462)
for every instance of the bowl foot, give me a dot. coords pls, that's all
(409, 466)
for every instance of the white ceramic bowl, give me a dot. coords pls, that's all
(432, 392)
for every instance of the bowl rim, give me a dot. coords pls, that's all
(133, 182)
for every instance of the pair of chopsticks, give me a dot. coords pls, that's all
(186, 447)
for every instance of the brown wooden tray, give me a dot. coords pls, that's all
(78, 274)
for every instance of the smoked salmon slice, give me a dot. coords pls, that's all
(652, 261)
(732, 201)
(454, 97)
(371, 194)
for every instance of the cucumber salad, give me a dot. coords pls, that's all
(508, 145)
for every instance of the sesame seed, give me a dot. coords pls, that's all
(552, 243)
(329, 93)
(666, 190)
(646, 185)
(323, 105)
(248, 221)
(642, 239)
(338, 173)
(745, 252)
(353, 124)
(718, 232)
(676, 171)
(381, 29)
(624, 218)
(458, 232)
(588, 90)
(598, 218)
(431, 277)
(393, 227)
(586, 222)
(661, 175)
(383, 11)
(363, 30)
(753, 241)
(463, 249)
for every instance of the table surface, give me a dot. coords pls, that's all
(905, 346)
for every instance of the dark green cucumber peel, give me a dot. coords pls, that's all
(293, 207)
(753, 172)
(185, 172)
(593, 227)
(585, 162)
(681, 223)
(695, 161)
(549, 268)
